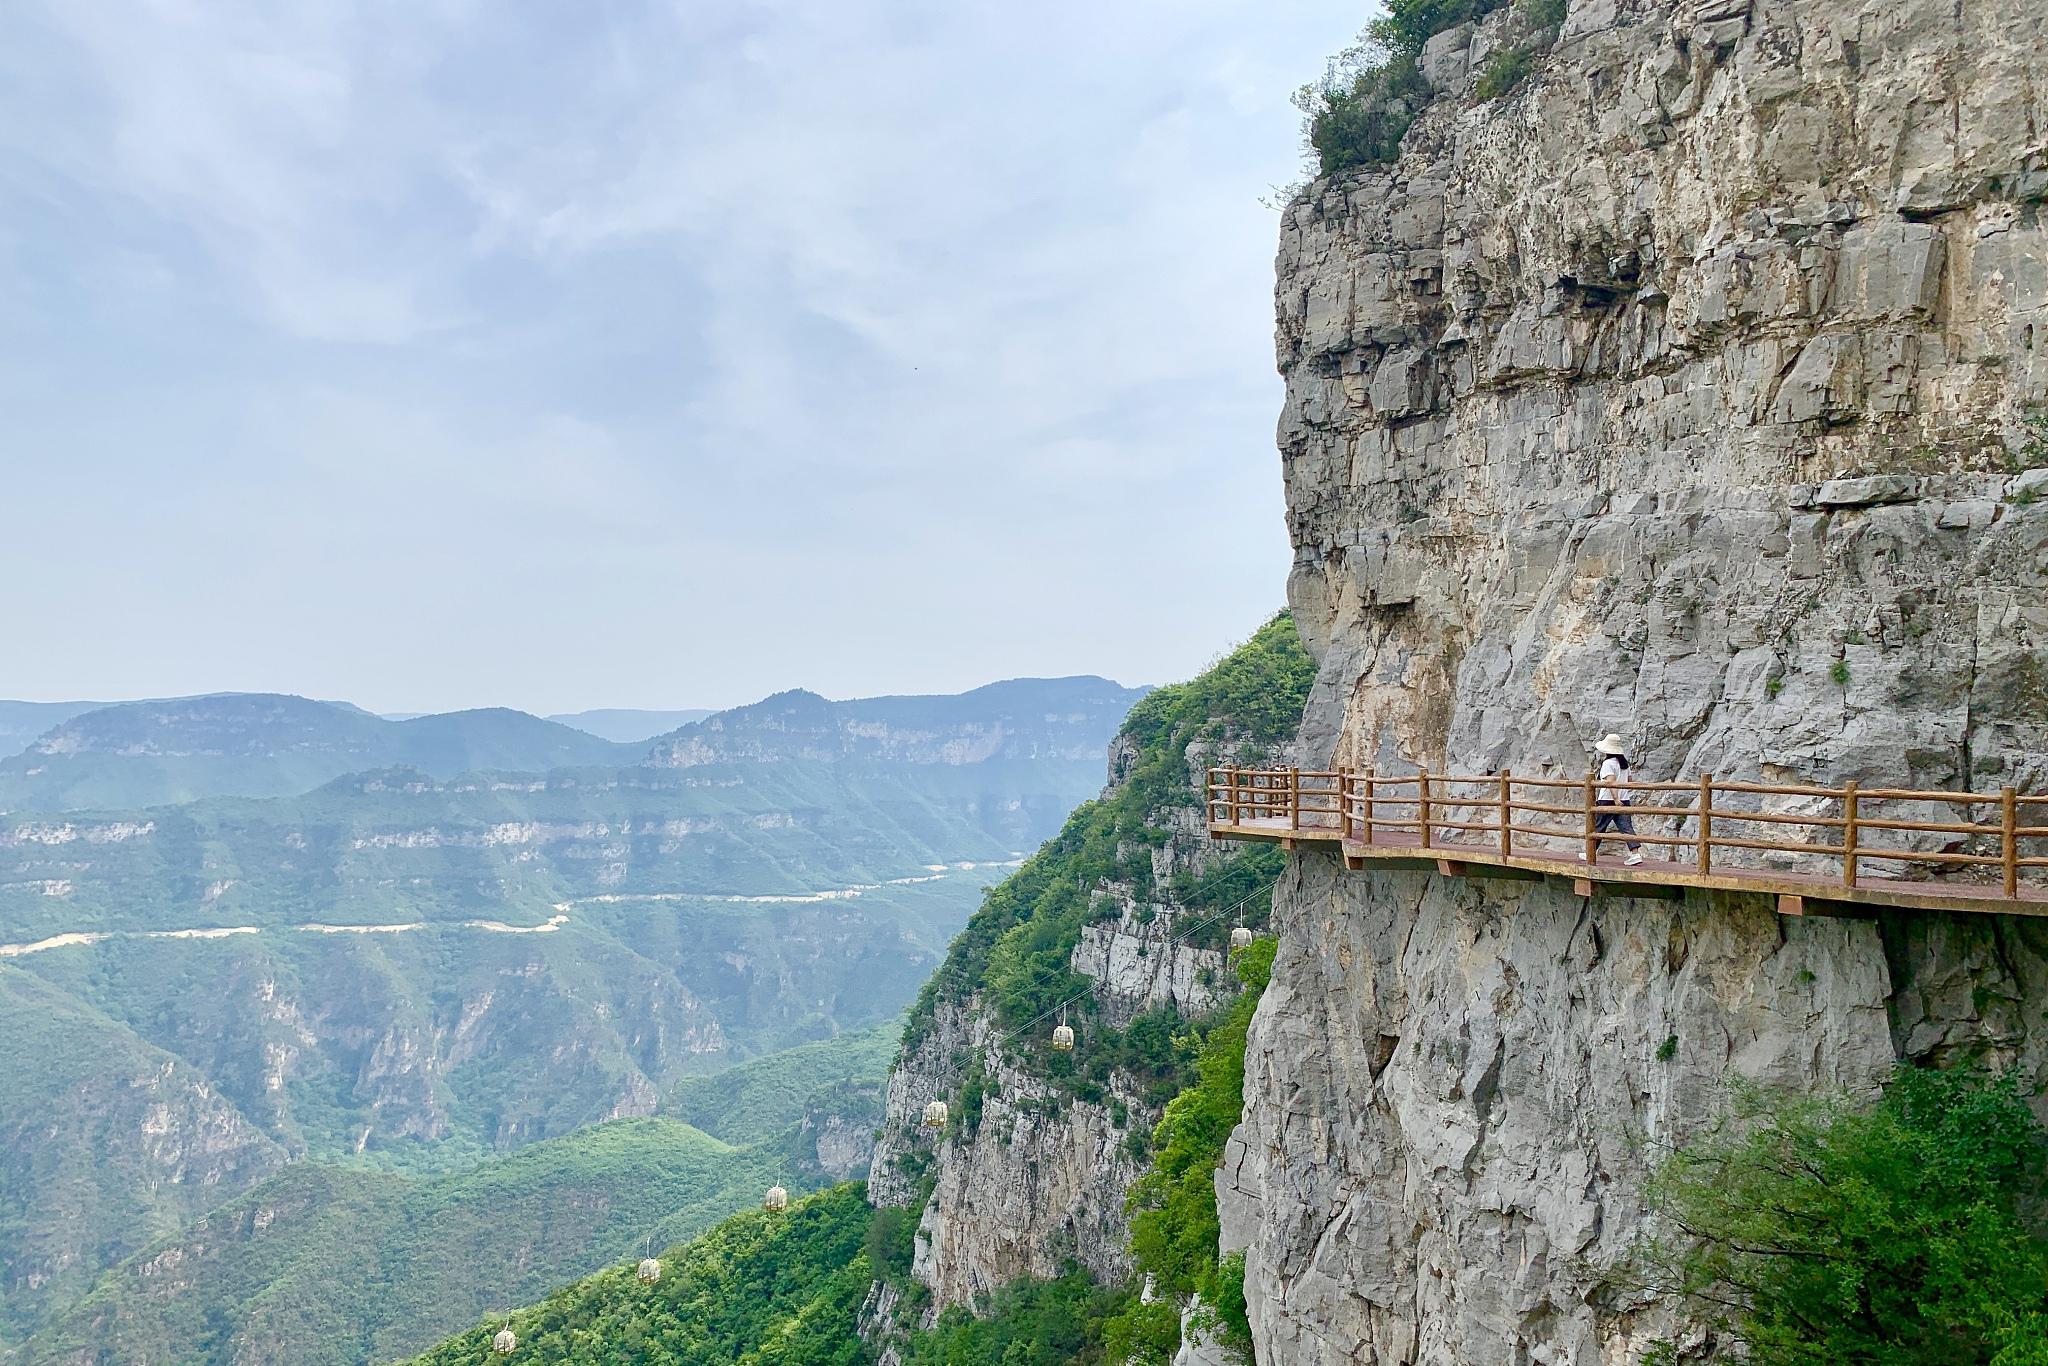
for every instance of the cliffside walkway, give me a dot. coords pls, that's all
(1811, 847)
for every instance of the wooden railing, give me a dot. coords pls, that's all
(1512, 816)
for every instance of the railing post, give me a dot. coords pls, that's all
(1422, 804)
(1343, 806)
(1237, 796)
(1294, 799)
(1507, 824)
(1368, 803)
(1849, 804)
(1706, 822)
(1592, 844)
(2009, 817)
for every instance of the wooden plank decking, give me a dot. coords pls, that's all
(1488, 826)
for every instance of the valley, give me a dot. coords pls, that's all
(258, 1022)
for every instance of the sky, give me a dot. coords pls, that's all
(445, 353)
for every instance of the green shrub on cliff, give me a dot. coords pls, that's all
(1905, 1233)
(1357, 114)
(1029, 1323)
(1504, 70)
(1174, 1224)
(1371, 92)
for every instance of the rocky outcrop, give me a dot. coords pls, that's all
(1684, 391)
(1031, 1175)
(1033, 1181)
(836, 1137)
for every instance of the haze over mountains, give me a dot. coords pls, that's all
(245, 933)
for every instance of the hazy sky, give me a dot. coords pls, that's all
(442, 353)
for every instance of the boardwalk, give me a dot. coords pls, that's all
(1813, 848)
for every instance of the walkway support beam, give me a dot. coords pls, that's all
(1706, 830)
(1507, 818)
(1592, 838)
(2009, 841)
(1849, 833)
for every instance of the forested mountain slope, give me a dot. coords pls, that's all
(328, 1265)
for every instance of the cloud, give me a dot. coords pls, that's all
(924, 288)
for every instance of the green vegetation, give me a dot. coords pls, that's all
(1371, 93)
(1505, 67)
(1174, 1225)
(1774, 685)
(1017, 947)
(786, 1290)
(1904, 1233)
(1357, 114)
(352, 1265)
(763, 1289)
(2032, 451)
(1030, 1323)
(1839, 672)
(765, 1097)
(440, 1044)
(1667, 1050)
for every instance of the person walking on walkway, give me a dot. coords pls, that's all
(1610, 807)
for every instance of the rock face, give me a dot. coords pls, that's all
(1037, 1179)
(1682, 391)
(1032, 1177)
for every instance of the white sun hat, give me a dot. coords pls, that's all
(1610, 744)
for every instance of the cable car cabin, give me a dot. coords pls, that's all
(935, 1115)
(1240, 938)
(1062, 1039)
(650, 1271)
(776, 1201)
(505, 1343)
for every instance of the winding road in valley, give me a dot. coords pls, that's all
(933, 872)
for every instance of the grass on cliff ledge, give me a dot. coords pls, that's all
(1909, 1232)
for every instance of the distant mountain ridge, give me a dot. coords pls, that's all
(1026, 718)
(22, 722)
(630, 725)
(135, 754)
(131, 755)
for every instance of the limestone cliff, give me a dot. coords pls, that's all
(1683, 390)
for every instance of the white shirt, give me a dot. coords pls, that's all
(1612, 770)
